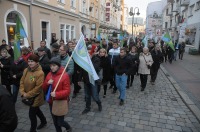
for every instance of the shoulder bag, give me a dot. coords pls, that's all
(60, 107)
(148, 66)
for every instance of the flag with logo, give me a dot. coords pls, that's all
(167, 39)
(19, 34)
(82, 58)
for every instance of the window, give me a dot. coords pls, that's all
(73, 3)
(61, 1)
(44, 30)
(191, 10)
(198, 5)
(72, 33)
(167, 12)
(67, 32)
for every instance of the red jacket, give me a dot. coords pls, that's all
(63, 90)
(25, 57)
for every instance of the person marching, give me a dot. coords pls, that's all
(62, 92)
(146, 61)
(122, 66)
(31, 87)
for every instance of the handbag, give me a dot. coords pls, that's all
(29, 101)
(148, 66)
(60, 107)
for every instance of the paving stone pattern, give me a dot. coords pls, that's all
(158, 109)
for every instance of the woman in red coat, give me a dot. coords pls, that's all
(61, 93)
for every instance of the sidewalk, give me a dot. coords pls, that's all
(158, 109)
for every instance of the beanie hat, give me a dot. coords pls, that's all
(55, 60)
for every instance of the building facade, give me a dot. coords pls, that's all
(154, 19)
(182, 20)
(58, 19)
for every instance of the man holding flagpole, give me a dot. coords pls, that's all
(89, 69)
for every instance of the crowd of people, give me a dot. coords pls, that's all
(116, 66)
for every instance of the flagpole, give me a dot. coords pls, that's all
(65, 67)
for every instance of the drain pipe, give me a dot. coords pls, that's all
(31, 25)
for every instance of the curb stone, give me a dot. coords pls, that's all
(189, 103)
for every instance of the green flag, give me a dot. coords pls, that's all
(19, 33)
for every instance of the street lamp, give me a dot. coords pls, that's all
(131, 13)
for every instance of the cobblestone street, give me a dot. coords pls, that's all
(158, 109)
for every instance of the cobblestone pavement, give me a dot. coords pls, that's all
(158, 109)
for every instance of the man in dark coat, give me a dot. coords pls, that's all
(122, 66)
(8, 116)
(47, 50)
(90, 89)
(157, 60)
(44, 60)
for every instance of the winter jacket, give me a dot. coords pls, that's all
(5, 70)
(84, 74)
(122, 65)
(17, 69)
(44, 62)
(143, 69)
(31, 84)
(70, 67)
(8, 116)
(105, 65)
(63, 90)
(133, 57)
(157, 59)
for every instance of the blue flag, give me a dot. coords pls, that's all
(48, 95)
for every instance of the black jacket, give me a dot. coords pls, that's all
(5, 76)
(17, 69)
(106, 66)
(44, 62)
(8, 116)
(84, 74)
(134, 58)
(122, 65)
(157, 59)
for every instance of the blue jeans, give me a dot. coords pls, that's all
(175, 54)
(121, 81)
(59, 121)
(91, 91)
(15, 93)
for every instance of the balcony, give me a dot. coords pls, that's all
(185, 2)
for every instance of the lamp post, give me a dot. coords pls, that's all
(131, 13)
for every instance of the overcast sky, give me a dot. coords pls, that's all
(141, 4)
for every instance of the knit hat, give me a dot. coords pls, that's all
(55, 60)
(55, 45)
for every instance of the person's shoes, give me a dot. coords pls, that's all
(104, 96)
(85, 111)
(69, 130)
(127, 86)
(121, 102)
(153, 83)
(41, 125)
(142, 89)
(131, 85)
(74, 96)
(100, 107)
(114, 91)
